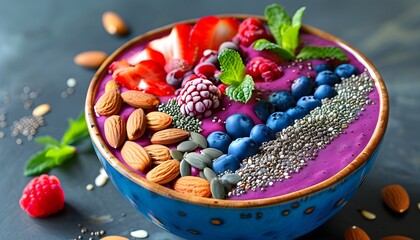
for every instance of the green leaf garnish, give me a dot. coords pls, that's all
(233, 69)
(55, 153)
(243, 92)
(264, 44)
(321, 53)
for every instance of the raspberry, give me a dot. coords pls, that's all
(198, 98)
(263, 69)
(42, 196)
(250, 30)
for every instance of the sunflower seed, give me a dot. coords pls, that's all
(209, 174)
(199, 139)
(185, 168)
(187, 146)
(139, 234)
(217, 189)
(175, 154)
(368, 215)
(213, 153)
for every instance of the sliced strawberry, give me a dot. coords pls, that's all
(118, 65)
(151, 69)
(146, 54)
(176, 44)
(209, 32)
(127, 77)
(156, 88)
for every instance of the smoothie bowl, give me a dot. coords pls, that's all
(225, 128)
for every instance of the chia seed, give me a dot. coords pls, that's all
(301, 142)
(179, 120)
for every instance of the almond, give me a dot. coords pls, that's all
(135, 156)
(114, 24)
(110, 85)
(109, 103)
(191, 185)
(355, 233)
(115, 131)
(169, 136)
(136, 124)
(90, 59)
(396, 198)
(158, 120)
(139, 99)
(164, 173)
(159, 153)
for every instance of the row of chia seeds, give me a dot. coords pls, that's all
(301, 142)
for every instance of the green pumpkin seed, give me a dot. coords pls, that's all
(199, 139)
(187, 146)
(231, 178)
(175, 154)
(202, 157)
(213, 153)
(185, 168)
(201, 174)
(217, 189)
(209, 174)
(194, 161)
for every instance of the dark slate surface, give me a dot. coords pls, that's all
(38, 40)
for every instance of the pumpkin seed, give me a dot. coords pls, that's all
(199, 139)
(185, 168)
(202, 157)
(228, 186)
(368, 215)
(213, 153)
(209, 174)
(231, 178)
(217, 189)
(201, 174)
(194, 161)
(187, 146)
(175, 154)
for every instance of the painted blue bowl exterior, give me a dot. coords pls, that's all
(287, 220)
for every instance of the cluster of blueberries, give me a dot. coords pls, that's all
(243, 138)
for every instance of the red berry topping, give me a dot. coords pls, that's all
(42, 196)
(263, 69)
(146, 54)
(198, 98)
(222, 88)
(250, 30)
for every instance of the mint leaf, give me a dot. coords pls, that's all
(322, 53)
(38, 164)
(233, 69)
(277, 18)
(61, 154)
(76, 131)
(47, 140)
(264, 44)
(243, 92)
(297, 17)
(291, 39)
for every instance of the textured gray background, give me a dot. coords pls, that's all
(38, 40)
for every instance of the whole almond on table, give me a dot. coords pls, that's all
(355, 233)
(158, 153)
(169, 136)
(164, 173)
(135, 156)
(158, 120)
(114, 24)
(191, 185)
(109, 103)
(139, 99)
(396, 198)
(115, 133)
(136, 124)
(90, 59)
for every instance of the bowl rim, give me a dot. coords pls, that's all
(358, 161)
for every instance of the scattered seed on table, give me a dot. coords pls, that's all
(41, 110)
(71, 82)
(89, 187)
(139, 234)
(368, 215)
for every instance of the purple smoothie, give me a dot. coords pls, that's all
(330, 160)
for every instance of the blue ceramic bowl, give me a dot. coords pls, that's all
(284, 217)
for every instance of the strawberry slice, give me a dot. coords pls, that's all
(127, 78)
(151, 69)
(176, 44)
(211, 31)
(146, 54)
(156, 88)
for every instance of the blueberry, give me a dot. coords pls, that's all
(226, 163)
(309, 103)
(263, 109)
(282, 100)
(302, 86)
(346, 70)
(175, 78)
(324, 91)
(228, 45)
(261, 133)
(296, 112)
(219, 140)
(321, 67)
(278, 121)
(242, 148)
(239, 125)
(326, 77)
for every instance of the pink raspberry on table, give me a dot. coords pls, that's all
(199, 98)
(263, 69)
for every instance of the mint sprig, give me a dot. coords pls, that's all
(285, 30)
(234, 74)
(56, 152)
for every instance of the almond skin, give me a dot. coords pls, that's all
(396, 198)
(115, 131)
(158, 120)
(114, 24)
(90, 59)
(136, 124)
(164, 173)
(135, 156)
(169, 136)
(355, 233)
(159, 153)
(191, 185)
(139, 99)
(109, 103)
